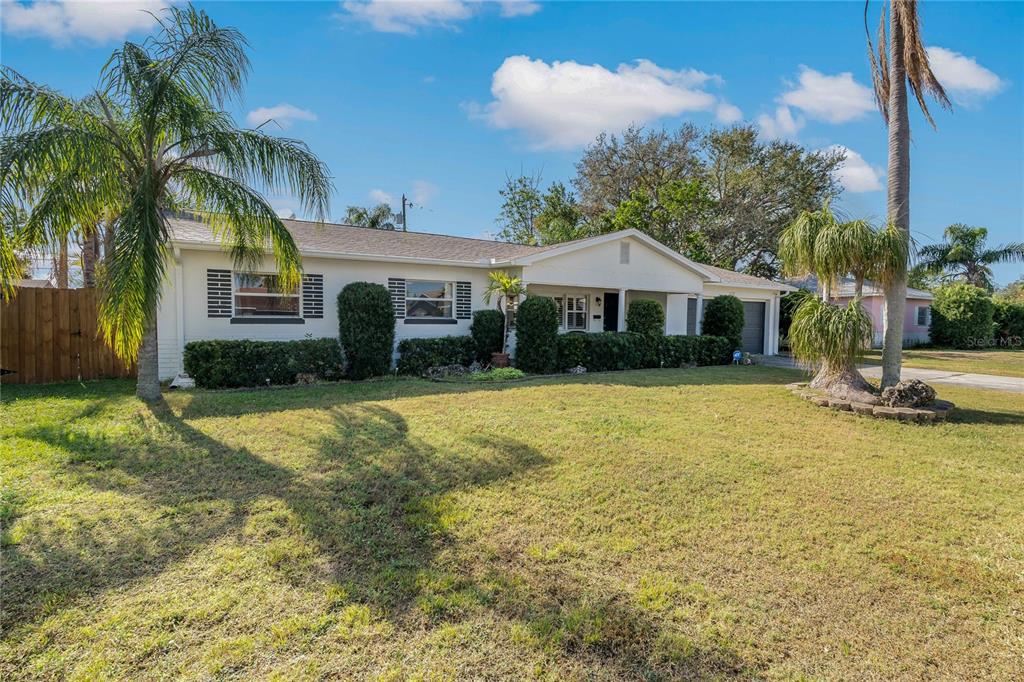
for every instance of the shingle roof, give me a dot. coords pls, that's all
(738, 278)
(848, 286)
(349, 240)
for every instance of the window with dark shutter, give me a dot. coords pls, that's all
(313, 296)
(463, 300)
(397, 288)
(218, 293)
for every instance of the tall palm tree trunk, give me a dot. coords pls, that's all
(61, 266)
(148, 385)
(90, 254)
(898, 206)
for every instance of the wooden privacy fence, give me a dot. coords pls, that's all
(51, 335)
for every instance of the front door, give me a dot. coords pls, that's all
(611, 311)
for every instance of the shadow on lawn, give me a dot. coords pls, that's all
(372, 501)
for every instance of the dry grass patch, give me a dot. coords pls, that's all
(658, 524)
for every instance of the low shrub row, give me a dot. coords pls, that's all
(416, 356)
(234, 364)
(610, 351)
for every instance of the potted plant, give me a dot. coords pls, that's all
(507, 288)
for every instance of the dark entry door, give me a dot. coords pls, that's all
(611, 311)
(753, 327)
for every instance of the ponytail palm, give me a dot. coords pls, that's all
(154, 140)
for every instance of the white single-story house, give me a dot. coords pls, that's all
(437, 282)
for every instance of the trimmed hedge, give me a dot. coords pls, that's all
(416, 356)
(366, 327)
(962, 316)
(235, 364)
(723, 316)
(537, 335)
(611, 351)
(646, 317)
(683, 351)
(487, 330)
(1009, 319)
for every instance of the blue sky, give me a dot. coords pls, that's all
(441, 100)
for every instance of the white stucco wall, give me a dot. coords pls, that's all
(598, 267)
(192, 323)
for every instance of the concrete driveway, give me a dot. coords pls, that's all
(937, 376)
(930, 376)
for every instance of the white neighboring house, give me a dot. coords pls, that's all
(437, 282)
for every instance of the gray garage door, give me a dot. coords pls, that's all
(753, 327)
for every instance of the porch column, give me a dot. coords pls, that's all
(700, 315)
(621, 322)
(675, 314)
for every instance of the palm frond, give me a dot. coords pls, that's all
(915, 59)
(243, 220)
(834, 336)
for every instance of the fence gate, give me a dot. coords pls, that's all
(49, 335)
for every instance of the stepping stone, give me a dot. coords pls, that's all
(886, 412)
(838, 404)
(820, 400)
(862, 408)
(907, 414)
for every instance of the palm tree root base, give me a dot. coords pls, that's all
(845, 385)
(933, 412)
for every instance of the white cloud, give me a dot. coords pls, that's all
(379, 196)
(855, 174)
(62, 22)
(518, 8)
(781, 125)
(284, 114)
(566, 104)
(964, 78)
(423, 191)
(407, 16)
(834, 99)
(728, 113)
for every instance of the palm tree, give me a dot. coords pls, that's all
(154, 139)
(506, 288)
(380, 217)
(964, 256)
(900, 61)
(833, 337)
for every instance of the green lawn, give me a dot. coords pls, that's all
(1008, 363)
(641, 525)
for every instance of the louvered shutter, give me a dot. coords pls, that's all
(313, 296)
(463, 300)
(397, 288)
(218, 293)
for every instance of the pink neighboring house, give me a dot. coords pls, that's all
(917, 318)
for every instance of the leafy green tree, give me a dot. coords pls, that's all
(1014, 291)
(379, 217)
(152, 140)
(521, 204)
(963, 316)
(964, 256)
(720, 196)
(901, 59)
(560, 219)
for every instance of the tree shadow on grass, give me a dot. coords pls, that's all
(371, 497)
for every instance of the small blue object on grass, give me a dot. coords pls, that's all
(737, 357)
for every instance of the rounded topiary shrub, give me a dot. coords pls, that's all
(723, 316)
(646, 317)
(962, 316)
(488, 331)
(366, 327)
(537, 335)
